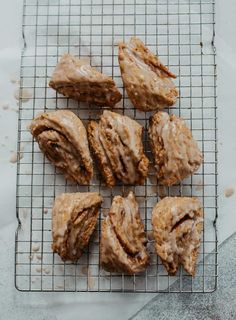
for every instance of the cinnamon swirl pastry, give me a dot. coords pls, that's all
(177, 226)
(175, 151)
(147, 81)
(75, 78)
(63, 139)
(123, 240)
(117, 145)
(74, 218)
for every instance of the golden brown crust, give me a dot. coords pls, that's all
(63, 139)
(177, 226)
(146, 80)
(73, 222)
(123, 240)
(175, 151)
(75, 78)
(117, 144)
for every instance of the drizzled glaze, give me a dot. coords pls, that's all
(177, 225)
(176, 153)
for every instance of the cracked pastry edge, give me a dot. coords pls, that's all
(110, 241)
(159, 151)
(66, 120)
(164, 220)
(61, 236)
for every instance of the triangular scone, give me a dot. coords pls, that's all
(177, 226)
(146, 80)
(74, 219)
(75, 78)
(176, 152)
(123, 240)
(62, 137)
(117, 145)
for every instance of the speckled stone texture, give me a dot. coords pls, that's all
(219, 305)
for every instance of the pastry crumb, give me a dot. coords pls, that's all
(23, 94)
(39, 257)
(13, 158)
(31, 256)
(105, 212)
(91, 281)
(163, 192)
(150, 236)
(35, 247)
(199, 185)
(46, 270)
(84, 270)
(5, 106)
(38, 269)
(59, 287)
(229, 192)
(15, 155)
(45, 211)
(14, 79)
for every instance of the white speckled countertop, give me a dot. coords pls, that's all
(17, 305)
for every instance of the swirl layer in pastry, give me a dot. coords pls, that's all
(123, 240)
(177, 226)
(62, 137)
(74, 219)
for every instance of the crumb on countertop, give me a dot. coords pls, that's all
(35, 247)
(229, 192)
(14, 156)
(5, 106)
(24, 94)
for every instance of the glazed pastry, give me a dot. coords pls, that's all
(74, 218)
(123, 240)
(175, 151)
(63, 139)
(117, 145)
(147, 81)
(75, 78)
(177, 226)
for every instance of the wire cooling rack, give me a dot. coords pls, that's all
(181, 32)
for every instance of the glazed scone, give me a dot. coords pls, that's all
(177, 226)
(62, 137)
(123, 240)
(147, 81)
(176, 153)
(74, 218)
(117, 145)
(75, 78)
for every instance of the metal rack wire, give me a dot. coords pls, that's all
(181, 32)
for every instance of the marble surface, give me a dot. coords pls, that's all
(220, 305)
(37, 306)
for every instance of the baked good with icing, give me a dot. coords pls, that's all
(62, 137)
(123, 239)
(177, 226)
(74, 218)
(147, 81)
(76, 79)
(176, 153)
(116, 141)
